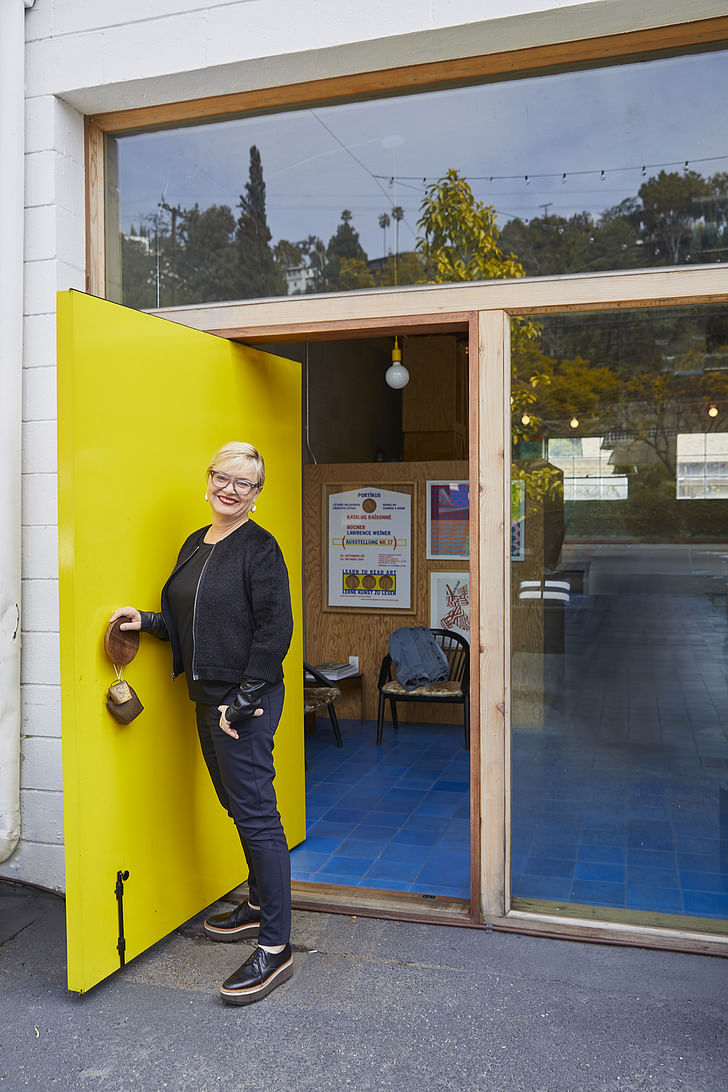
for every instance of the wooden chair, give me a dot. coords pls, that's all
(319, 693)
(454, 690)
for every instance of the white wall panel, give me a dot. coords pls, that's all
(40, 20)
(43, 279)
(39, 554)
(40, 606)
(40, 233)
(41, 765)
(70, 238)
(42, 710)
(39, 447)
(39, 339)
(41, 666)
(40, 178)
(77, 16)
(36, 862)
(355, 17)
(40, 129)
(39, 287)
(40, 500)
(69, 188)
(39, 394)
(41, 816)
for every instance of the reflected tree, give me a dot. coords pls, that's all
(205, 259)
(667, 213)
(258, 274)
(384, 221)
(459, 235)
(344, 245)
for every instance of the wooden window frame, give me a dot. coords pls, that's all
(434, 75)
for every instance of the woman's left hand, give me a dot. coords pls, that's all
(225, 724)
(229, 728)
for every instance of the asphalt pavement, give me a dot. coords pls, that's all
(373, 1005)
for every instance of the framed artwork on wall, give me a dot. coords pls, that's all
(368, 551)
(448, 520)
(450, 601)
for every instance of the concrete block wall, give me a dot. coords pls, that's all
(54, 260)
(86, 57)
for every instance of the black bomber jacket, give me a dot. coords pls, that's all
(242, 624)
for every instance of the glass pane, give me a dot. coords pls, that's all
(620, 614)
(608, 168)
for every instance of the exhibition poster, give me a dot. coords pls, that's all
(370, 549)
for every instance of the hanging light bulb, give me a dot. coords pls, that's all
(396, 374)
(712, 411)
(574, 422)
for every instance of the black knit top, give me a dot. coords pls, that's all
(242, 622)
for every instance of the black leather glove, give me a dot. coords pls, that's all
(247, 700)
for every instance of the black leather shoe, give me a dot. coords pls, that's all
(260, 974)
(235, 925)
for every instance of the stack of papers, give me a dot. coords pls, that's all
(336, 671)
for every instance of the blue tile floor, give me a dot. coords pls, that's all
(394, 817)
(620, 790)
(620, 761)
(623, 827)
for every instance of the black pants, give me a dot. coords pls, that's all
(242, 772)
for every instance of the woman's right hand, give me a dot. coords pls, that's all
(131, 614)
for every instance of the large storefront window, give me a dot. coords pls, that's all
(624, 166)
(620, 615)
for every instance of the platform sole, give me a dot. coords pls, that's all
(227, 936)
(257, 993)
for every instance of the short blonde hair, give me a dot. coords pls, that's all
(241, 452)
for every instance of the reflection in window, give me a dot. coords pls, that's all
(702, 466)
(334, 198)
(588, 474)
(618, 687)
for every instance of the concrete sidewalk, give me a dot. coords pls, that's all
(374, 1005)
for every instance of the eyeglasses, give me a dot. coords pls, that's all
(240, 485)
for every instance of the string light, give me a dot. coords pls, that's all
(525, 419)
(574, 422)
(643, 168)
(712, 411)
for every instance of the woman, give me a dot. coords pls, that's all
(226, 611)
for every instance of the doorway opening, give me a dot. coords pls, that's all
(390, 821)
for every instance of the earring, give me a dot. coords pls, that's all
(205, 496)
(254, 507)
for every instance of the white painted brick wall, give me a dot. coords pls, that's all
(54, 260)
(40, 499)
(42, 706)
(41, 815)
(40, 605)
(41, 757)
(39, 340)
(39, 393)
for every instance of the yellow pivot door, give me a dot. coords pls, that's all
(142, 405)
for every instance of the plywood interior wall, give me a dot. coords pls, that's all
(338, 635)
